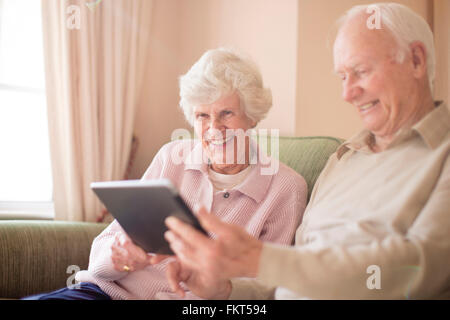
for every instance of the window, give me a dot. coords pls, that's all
(25, 171)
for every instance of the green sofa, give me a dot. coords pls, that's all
(40, 256)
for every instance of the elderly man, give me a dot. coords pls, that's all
(378, 222)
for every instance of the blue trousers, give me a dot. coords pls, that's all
(80, 291)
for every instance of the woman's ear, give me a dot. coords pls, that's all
(419, 59)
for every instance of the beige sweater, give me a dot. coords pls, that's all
(377, 225)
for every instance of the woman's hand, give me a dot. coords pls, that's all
(126, 256)
(233, 254)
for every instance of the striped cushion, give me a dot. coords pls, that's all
(35, 255)
(306, 155)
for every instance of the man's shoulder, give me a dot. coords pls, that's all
(434, 128)
(287, 186)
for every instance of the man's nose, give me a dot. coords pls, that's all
(351, 91)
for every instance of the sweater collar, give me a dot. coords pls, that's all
(257, 182)
(432, 128)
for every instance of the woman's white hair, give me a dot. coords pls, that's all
(221, 72)
(405, 25)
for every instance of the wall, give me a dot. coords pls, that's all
(442, 40)
(157, 114)
(320, 108)
(264, 29)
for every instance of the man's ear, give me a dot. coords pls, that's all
(419, 59)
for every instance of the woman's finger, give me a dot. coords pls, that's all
(119, 253)
(120, 265)
(133, 255)
(136, 253)
(157, 258)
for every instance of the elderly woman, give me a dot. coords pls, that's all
(222, 97)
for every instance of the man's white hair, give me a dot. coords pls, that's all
(221, 72)
(405, 25)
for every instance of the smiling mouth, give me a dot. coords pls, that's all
(368, 106)
(220, 142)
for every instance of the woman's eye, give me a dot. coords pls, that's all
(201, 116)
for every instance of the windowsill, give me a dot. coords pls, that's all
(27, 211)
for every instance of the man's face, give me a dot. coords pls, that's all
(373, 81)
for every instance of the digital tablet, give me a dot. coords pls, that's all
(141, 206)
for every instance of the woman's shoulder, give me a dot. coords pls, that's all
(177, 148)
(287, 175)
(171, 157)
(286, 185)
(179, 143)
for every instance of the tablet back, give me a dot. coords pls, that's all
(141, 206)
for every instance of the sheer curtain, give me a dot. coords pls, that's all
(95, 55)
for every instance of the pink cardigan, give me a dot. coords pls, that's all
(268, 206)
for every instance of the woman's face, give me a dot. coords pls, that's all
(221, 127)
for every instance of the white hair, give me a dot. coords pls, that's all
(218, 73)
(406, 26)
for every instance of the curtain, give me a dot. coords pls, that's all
(95, 55)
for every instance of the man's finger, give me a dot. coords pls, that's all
(183, 251)
(186, 233)
(173, 277)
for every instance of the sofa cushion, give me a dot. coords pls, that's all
(306, 155)
(35, 255)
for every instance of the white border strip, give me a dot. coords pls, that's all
(27, 210)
